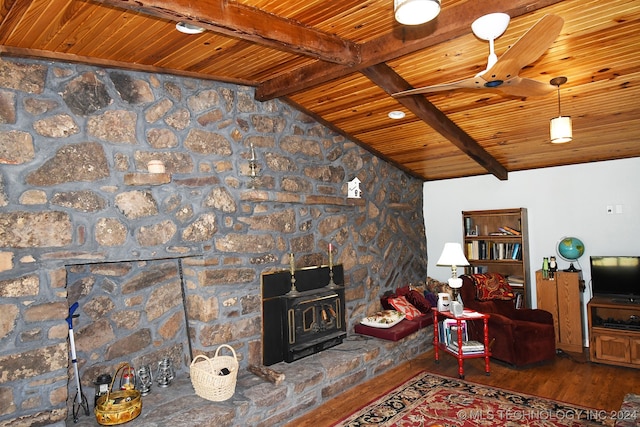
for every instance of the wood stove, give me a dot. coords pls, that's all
(298, 324)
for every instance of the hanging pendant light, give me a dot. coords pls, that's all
(560, 127)
(415, 12)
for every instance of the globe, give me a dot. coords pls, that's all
(570, 249)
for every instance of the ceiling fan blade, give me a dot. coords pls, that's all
(472, 83)
(524, 87)
(527, 49)
(503, 75)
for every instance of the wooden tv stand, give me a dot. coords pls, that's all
(614, 331)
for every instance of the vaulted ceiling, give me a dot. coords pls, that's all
(341, 61)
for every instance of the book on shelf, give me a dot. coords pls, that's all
(512, 231)
(515, 251)
(519, 300)
(468, 347)
(473, 250)
(481, 249)
(468, 226)
(448, 330)
(506, 230)
(517, 281)
(453, 332)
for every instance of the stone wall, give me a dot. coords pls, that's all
(74, 189)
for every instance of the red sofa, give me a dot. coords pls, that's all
(519, 336)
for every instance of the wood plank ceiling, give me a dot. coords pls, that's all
(341, 61)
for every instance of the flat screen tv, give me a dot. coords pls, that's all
(616, 276)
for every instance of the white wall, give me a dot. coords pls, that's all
(561, 201)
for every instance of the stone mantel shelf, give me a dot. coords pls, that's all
(401, 206)
(306, 199)
(147, 178)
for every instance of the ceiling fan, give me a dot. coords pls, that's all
(502, 73)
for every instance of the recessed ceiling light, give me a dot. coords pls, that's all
(396, 115)
(415, 12)
(186, 28)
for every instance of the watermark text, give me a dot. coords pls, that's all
(541, 414)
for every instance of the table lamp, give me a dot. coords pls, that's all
(453, 256)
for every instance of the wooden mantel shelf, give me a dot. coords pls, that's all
(308, 199)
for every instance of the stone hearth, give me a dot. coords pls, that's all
(258, 403)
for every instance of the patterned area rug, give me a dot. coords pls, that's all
(431, 400)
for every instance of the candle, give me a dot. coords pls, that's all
(292, 262)
(253, 153)
(155, 166)
(330, 255)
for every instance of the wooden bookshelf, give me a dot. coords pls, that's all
(497, 241)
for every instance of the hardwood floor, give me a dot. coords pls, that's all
(569, 378)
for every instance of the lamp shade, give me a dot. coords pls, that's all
(415, 12)
(561, 129)
(452, 255)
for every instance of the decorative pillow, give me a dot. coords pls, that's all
(432, 298)
(415, 298)
(490, 286)
(403, 306)
(384, 300)
(403, 291)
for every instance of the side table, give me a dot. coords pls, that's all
(459, 354)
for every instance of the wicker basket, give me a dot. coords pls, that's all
(118, 407)
(207, 378)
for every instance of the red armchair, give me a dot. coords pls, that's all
(519, 336)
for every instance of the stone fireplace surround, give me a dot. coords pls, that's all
(145, 297)
(129, 311)
(74, 144)
(145, 300)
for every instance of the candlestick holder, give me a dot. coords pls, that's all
(292, 264)
(253, 168)
(332, 284)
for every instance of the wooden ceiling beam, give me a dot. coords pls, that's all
(453, 22)
(248, 23)
(387, 79)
